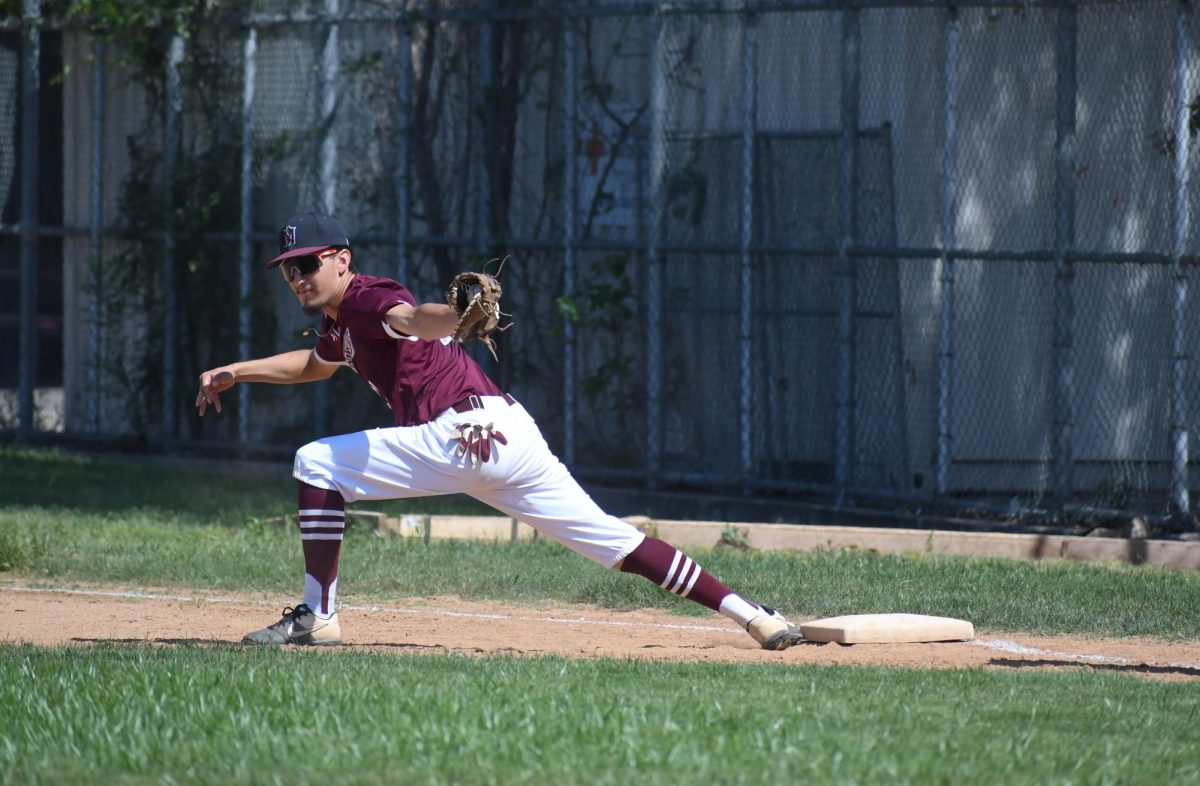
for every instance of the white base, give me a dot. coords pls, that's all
(887, 629)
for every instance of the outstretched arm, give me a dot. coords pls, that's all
(300, 365)
(428, 320)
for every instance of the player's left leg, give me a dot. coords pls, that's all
(564, 512)
(674, 571)
(542, 493)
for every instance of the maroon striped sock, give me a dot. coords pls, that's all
(322, 522)
(674, 571)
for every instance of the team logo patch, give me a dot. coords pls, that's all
(287, 237)
(348, 348)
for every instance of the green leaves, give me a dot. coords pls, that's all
(567, 307)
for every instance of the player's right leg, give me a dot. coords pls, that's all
(322, 521)
(362, 465)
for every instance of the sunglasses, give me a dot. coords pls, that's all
(305, 266)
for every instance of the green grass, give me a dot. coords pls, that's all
(59, 481)
(231, 715)
(190, 714)
(67, 519)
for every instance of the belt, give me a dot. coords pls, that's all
(473, 401)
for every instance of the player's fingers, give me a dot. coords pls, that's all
(210, 397)
(485, 449)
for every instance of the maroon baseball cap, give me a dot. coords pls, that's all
(309, 233)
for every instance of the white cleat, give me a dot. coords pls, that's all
(299, 626)
(772, 631)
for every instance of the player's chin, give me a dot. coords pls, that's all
(310, 304)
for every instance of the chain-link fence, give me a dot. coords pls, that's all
(936, 253)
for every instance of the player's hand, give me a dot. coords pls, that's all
(212, 384)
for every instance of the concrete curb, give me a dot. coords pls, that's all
(1168, 554)
(1174, 555)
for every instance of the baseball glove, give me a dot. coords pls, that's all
(475, 297)
(475, 440)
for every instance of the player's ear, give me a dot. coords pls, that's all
(345, 261)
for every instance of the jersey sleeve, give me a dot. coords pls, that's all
(376, 300)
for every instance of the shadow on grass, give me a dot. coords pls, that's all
(356, 647)
(1131, 668)
(195, 491)
(172, 642)
(112, 484)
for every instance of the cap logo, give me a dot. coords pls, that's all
(287, 237)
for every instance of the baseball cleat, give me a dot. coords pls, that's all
(299, 626)
(772, 631)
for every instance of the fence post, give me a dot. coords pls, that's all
(95, 308)
(570, 224)
(1064, 268)
(945, 275)
(1180, 502)
(749, 132)
(654, 262)
(404, 119)
(847, 268)
(174, 111)
(31, 46)
(329, 100)
(485, 128)
(249, 67)
(328, 169)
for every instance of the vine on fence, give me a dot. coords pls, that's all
(204, 192)
(202, 195)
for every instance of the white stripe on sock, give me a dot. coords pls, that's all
(683, 574)
(322, 512)
(321, 536)
(692, 583)
(323, 524)
(671, 570)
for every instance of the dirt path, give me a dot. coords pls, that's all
(446, 624)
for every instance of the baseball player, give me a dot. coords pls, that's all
(455, 431)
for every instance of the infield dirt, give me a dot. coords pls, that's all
(438, 625)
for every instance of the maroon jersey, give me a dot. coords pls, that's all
(416, 378)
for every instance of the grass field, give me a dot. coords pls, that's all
(227, 714)
(64, 518)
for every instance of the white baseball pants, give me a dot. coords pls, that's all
(523, 479)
